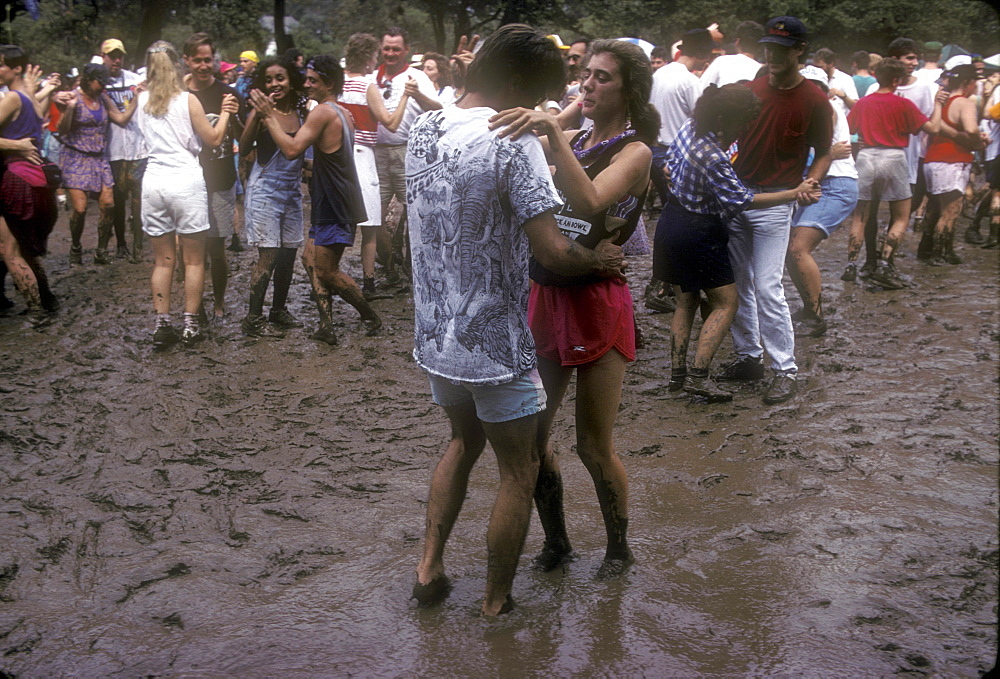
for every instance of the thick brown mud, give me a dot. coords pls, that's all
(255, 507)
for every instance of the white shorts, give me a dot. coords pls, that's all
(945, 177)
(174, 203)
(364, 160)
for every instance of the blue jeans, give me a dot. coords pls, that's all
(758, 240)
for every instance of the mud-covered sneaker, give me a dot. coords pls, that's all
(325, 334)
(707, 389)
(676, 382)
(76, 255)
(165, 336)
(885, 276)
(743, 368)
(192, 335)
(283, 319)
(101, 257)
(122, 252)
(850, 273)
(781, 389)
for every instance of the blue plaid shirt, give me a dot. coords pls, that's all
(701, 177)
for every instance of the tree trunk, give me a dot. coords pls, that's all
(154, 17)
(282, 40)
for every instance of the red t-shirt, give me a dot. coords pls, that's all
(774, 148)
(885, 120)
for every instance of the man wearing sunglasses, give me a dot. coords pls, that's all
(394, 77)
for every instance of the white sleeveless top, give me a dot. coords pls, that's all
(171, 141)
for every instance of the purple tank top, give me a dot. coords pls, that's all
(26, 124)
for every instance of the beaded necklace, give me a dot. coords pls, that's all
(584, 155)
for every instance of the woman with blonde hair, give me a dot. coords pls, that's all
(174, 197)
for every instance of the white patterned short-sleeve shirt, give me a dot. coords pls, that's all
(468, 192)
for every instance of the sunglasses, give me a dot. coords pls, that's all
(388, 90)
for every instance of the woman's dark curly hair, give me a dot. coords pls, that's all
(637, 82)
(729, 107)
(296, 80)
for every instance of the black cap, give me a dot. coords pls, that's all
(787, 31)
(960, 72)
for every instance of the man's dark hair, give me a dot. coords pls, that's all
(329, 70)
(900, 47)
(826, 55)
(293, 53)
(195, 42)
(659, 52)
(749, 33)
(13, 56)
(861, 59)
(397, 31)
(890, 69)
(585, 41)
(520, 56)
(697, 43)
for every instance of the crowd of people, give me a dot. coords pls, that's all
(522, 167)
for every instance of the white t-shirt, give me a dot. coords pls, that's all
(172, 143)
(991, 127)
(124, 143)
(728, 69)
(930, 75)
(842, 132)
(845, 83)
(675, 92)
(413, 109)
(922, 94)
(468, 193)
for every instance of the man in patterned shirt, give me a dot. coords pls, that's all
(476, 203)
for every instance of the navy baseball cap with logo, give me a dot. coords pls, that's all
(787, 31)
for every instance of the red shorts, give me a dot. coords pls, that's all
(578, 324)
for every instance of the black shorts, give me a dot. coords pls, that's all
(696, 248)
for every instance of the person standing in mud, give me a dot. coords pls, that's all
(584, 326)
(27, 203)
(83, 133)
(274, 199)
(337, 204)
(174, 197)
(126, 150)
(477, 201)
(772, 159)
(947, 166)
(217, 163)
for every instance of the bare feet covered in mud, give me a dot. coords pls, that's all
(551, 558)
(373, 326)
(507, 607)
(612, 568)
(431, 593)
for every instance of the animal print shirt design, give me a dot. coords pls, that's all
(468, 193)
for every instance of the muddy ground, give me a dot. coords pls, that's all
(254, 507)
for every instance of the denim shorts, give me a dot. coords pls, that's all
(840, 195)
(518, 398)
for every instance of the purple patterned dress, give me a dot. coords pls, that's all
(82, 158)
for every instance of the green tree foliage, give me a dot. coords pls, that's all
(69, 31)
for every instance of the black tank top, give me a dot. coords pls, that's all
(589, 230)
(336, 192)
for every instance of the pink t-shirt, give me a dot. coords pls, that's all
(885, 120)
